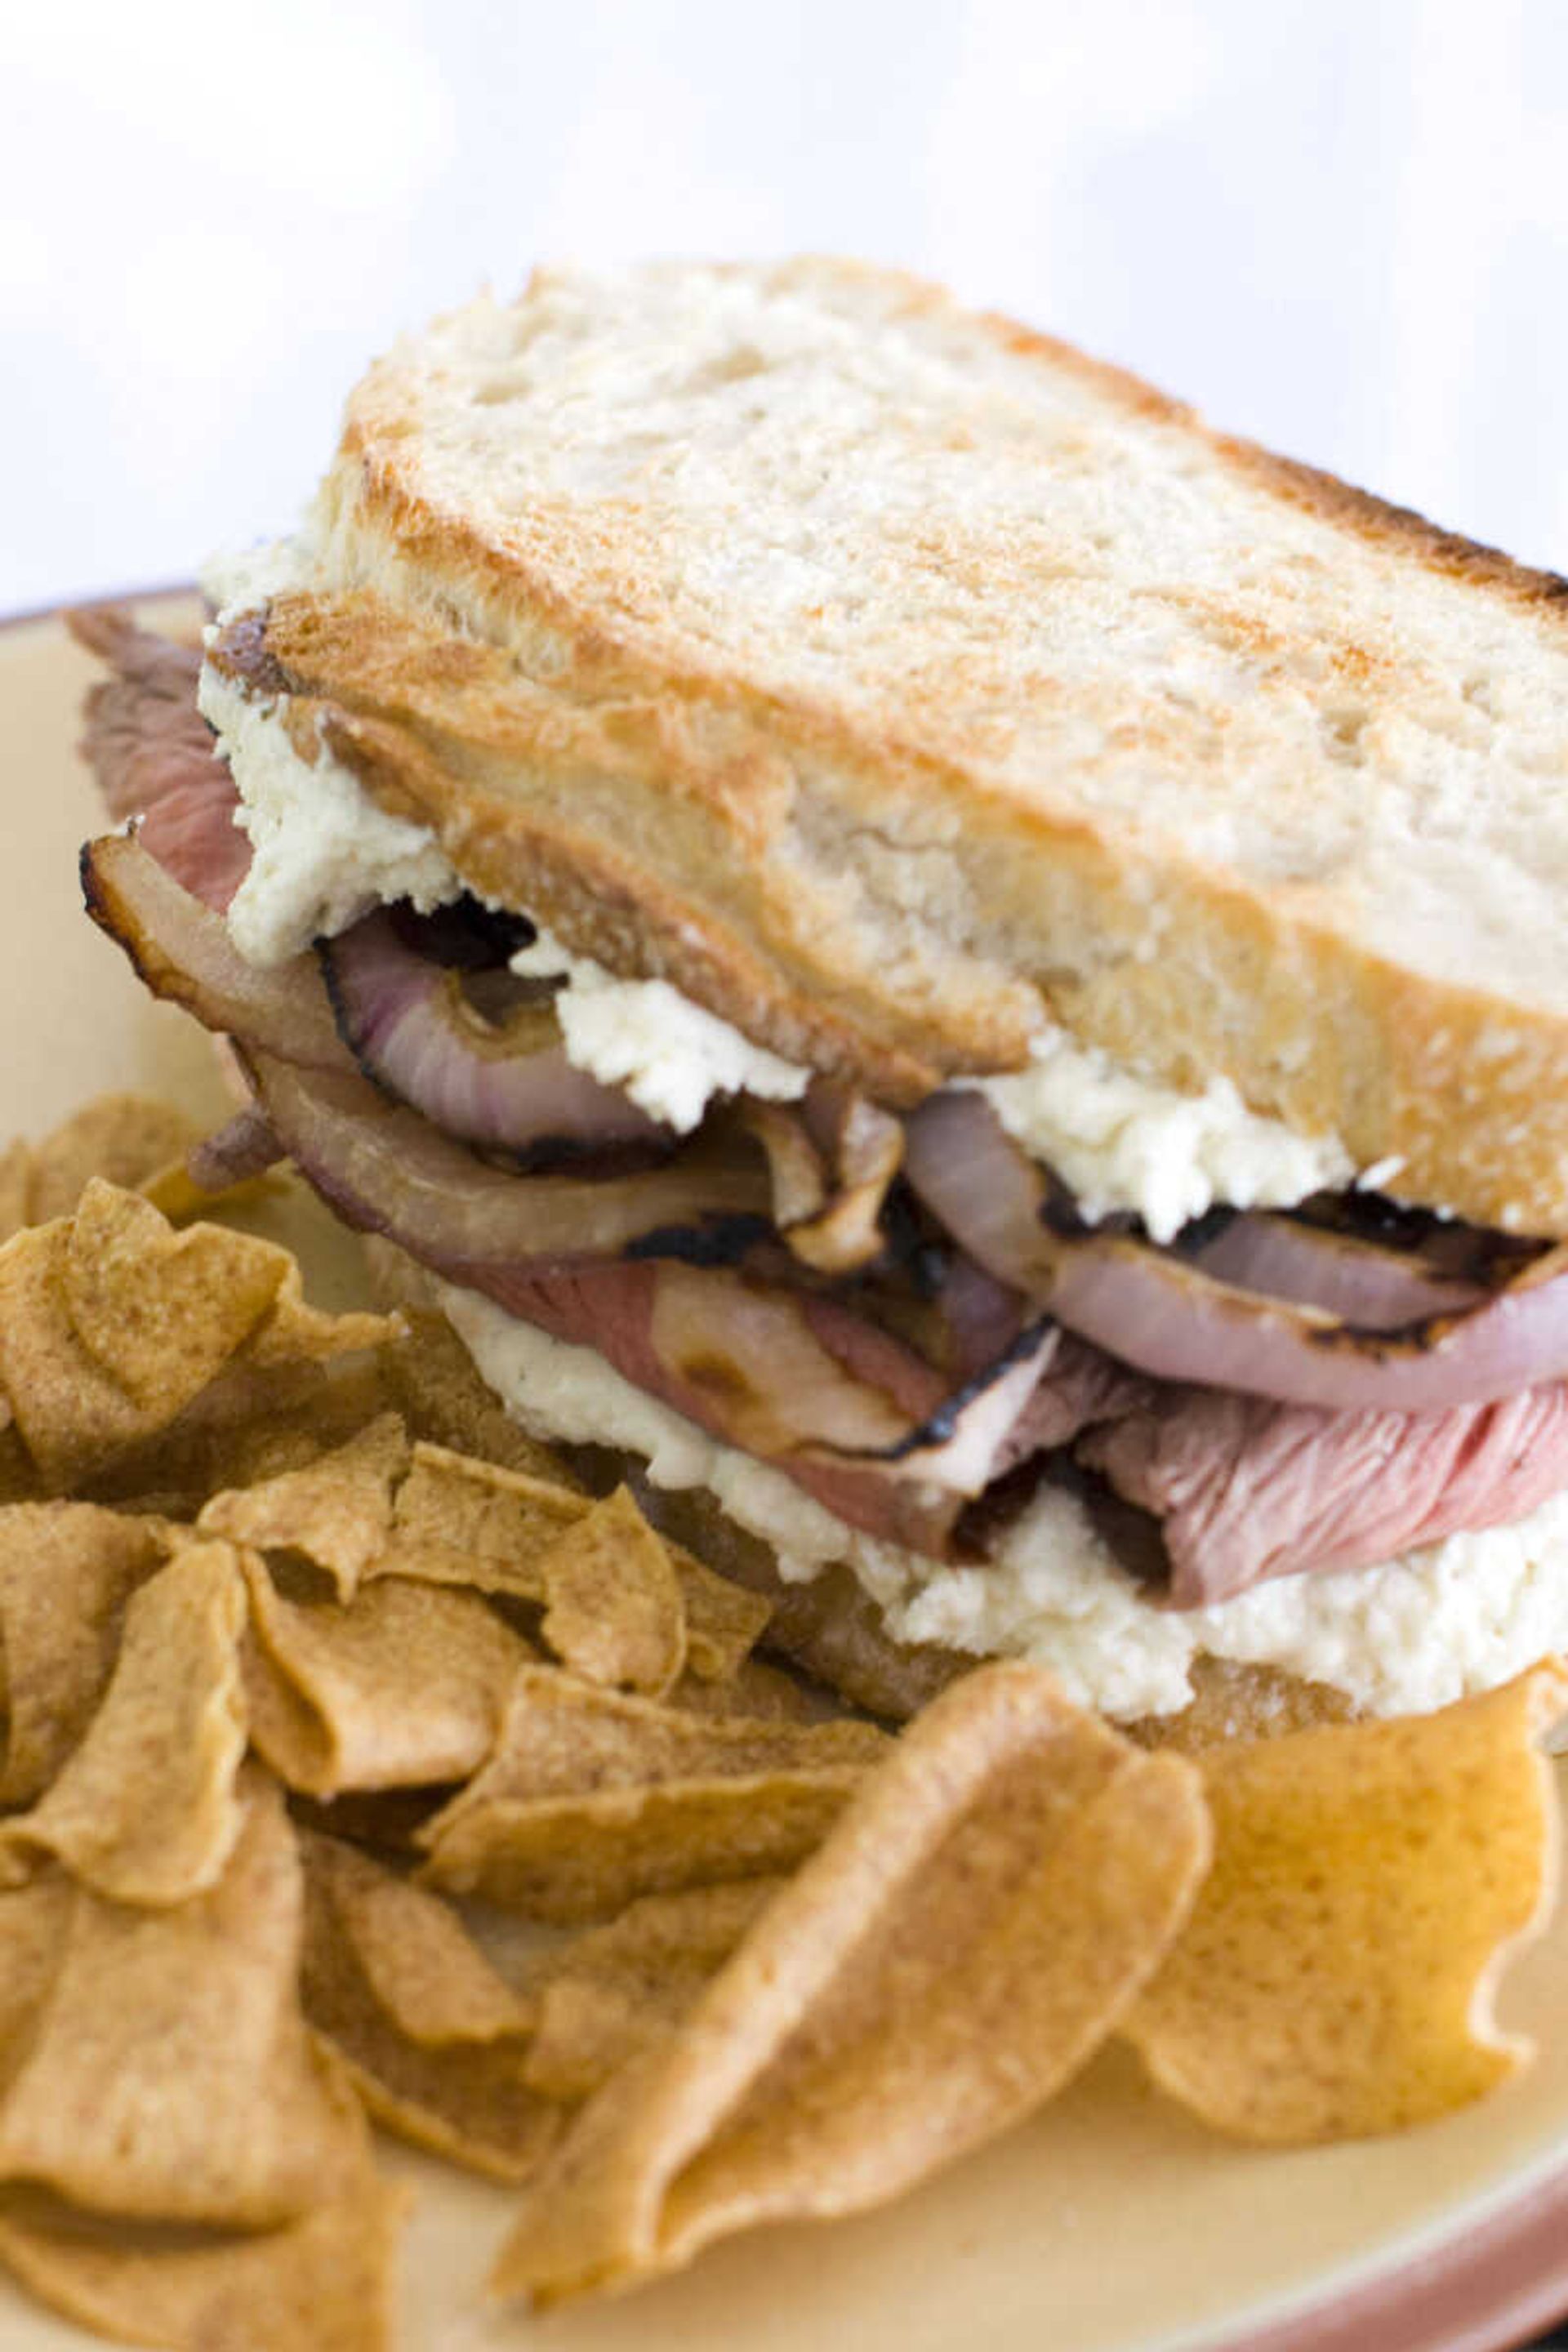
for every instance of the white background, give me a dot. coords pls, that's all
(1341, 225)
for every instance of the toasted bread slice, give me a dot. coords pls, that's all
(889, 678)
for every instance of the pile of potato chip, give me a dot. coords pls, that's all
(347, 1773)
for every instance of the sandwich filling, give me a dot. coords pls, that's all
(1061, 1363)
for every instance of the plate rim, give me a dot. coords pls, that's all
(1476, 2281)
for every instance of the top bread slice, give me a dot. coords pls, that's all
(890, 677)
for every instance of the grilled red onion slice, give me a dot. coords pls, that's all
(1150, 1309)
(245, 1145)
(1374, 1288)
(508, 1086)
(182, 950)
(385, 1169)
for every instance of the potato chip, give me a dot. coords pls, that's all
(457, 1521)
(405, 1686)
(384, 1821)
(113, 1328)
(614, 1609)
(1369, 1880)
(247, 1426)
(145, 1810)
(66, 1571)
(568, 1858)
(722, 1620)
(592, 1798)
(564, 1737)
(16, 1189)
(159, 1310)
(297, 1333)
(609, 1993)
(336, 1510)
(128, 1141)
(460, 1521)
(462, 2095)
(70, 1414)
(19, 1481)
(322, 2284)
(976, 1925)
(170, 2077)
(33, 1923)
(418, 1960)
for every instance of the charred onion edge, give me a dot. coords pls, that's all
(546, 1154)
(941, 1427)
(726, 1241)
(1307, 1357)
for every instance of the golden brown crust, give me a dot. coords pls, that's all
(858, 877)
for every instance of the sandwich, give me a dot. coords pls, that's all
(955, 972)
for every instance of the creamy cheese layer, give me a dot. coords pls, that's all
(1413, 1633)
(324, 855)
(671, 1057)
(1121, 1143)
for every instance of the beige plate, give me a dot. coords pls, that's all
(1113, 2223)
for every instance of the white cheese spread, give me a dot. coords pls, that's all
(1121, 1143)
(324, 853)
(667, 1054)
(1413, 1633)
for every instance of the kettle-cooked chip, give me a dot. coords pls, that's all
(322, 2284)
(247, 1426)
(461, 1521)
(567, 1737)
(19, 1480)
(162, 1310)
(129, 1141)
(723, 1620)
(69, 1414)
(145, 1810)
(1339, 1971)
(33, 1923)
(171, 2077)
(336, 1510)
(16, 1189)
(973, 1929)
(418, 1960)
(404, 1687)
(609, 1993)
(613, 1608)
(297, 1333)
(567, 1859)
(66, 1571)
(461, 2094)
(592, 1798)
(113, 1328)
